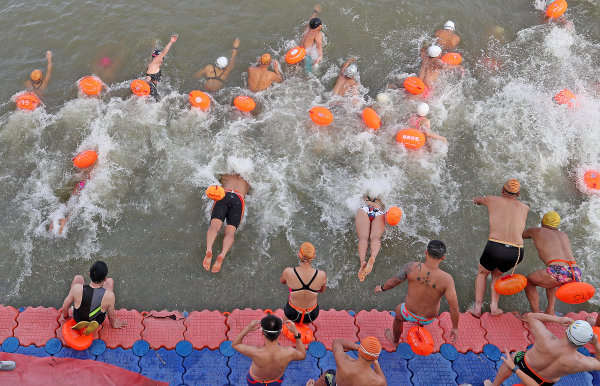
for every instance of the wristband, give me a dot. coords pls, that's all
(298, 336)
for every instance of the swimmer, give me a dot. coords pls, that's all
(364, 370)
(504, 248)
(312, 41)
(153, 72)
(421, 123)
(302, 306)
(231, 210)
(551, 357)
(554, 249)
(427, 283)
(346, 84)
(37, 82)
(370, 225)
(216, 74)
(269, 360)
(93, 302)
(260, 78)
(432, 65)
(447, 38)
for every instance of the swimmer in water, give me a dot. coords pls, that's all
(346, 84)
(312, 41)
(421, 123)
(370, 225)
(431, 65)
(447, 38)
(153, 73)
(215, 75)
(37, 82)
(504, 248)
(230, 209)
(260, 78)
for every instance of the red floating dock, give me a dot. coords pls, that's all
(162, 328)
(582, 315)
(471, 336)
(126, 336)
(8, 321)
(334, 324)
(205, 329)
(36, 325)
(239, 319)
(505, 331)
(374, 323)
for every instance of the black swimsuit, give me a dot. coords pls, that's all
(155, 78)
(297, 314)
(216, 77)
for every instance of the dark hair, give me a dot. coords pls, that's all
(155, 53)
(98, 271)
(436, 249)
(271, 326)
(315, 22)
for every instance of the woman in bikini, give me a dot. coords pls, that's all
(215, 75)
(153, 72)
(370, 224)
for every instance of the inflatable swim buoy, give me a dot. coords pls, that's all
(244, 103)
(303, 329)
(140, 87)
(556, 9)
(295, 55)
(371, 119)
(27, 101)
(566, 97)
(575, 292)
(411, 138)
(76, 339)
(591, 179)
(85, 159)
(321, 115)
(510, 284)
(90, 85)
(452, 58)
(199, 99)
(420, 340)
(596, 331)
(393, 216)
(215, 192)
(414, 85)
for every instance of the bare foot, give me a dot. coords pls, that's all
(217, 266)
(361, 271)
(474, 312)
(310, 382)
(496, 311)
(369, 266)
(390, 336)
(62, 222)
(207, 260)
(487, 382)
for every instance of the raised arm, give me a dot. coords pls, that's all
(346, 64)
(245, 349)
(398, 279)
(278, 77)
(48, 70)
(299, 352)
(315, 13)
(234, 50)
(537, 328)
(167, 47)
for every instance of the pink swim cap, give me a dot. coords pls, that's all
(105, 61)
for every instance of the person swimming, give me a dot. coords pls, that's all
(346, 83)
(422, 123)
(447, 38)
(37, 82)
(370, 225)
(153, 72)
(312, 40)
(216, 74)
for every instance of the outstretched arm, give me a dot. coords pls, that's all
(431, 134)
(278, 77)
(236, 44)
(245, 349)
(537, 328)
(48, 70)
(398, 279)
(346, 64)
(484, 200)
(315, 13)
(168, 46)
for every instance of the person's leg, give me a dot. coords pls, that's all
(227, 244)
(480, 280)
(395, 335)
(494, 310)
(539, 278)
(363, 228)
(377, 229)
(551, 295)
(211, 235)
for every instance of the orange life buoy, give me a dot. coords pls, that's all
(510, 284)
(453, 58)
(411, 138)
(566, 97)
(303, 329)
(596, 331)
(200, 99)
(215, 192)
(371, 119)
(414, 85)
(556, 9)
(295, 55)
(244, 103)
(90, 85)
(575, 292)
(420, 340)
(393, 216)
(85, 159)
(140, 87)
(76, 339)
(27, 101)
(591, 179)
(321, 115)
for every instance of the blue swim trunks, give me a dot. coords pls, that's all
(410, 317)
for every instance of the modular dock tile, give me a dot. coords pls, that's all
(67, 352)
(205, 329)
(431, 370)
(32, 351)
(163, 329)
(239, 365)
(327, 362)
(205, 367)
(8, 321)
(299, 372)
(334, 324)
(433, 328)
(505, 331)
(374, 323)
(120, 357)
(36, 325)
(239, 319)
(123, 337)
(163, 365)
(579, 379)
(395, 368)
(473, 369)
(471, 336)
(582, 315)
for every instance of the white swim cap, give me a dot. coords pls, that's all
(351, 71)
(422, 109)
(449, 25)
(580, 332)
(434, 51)
(221, 62)
(383, 98)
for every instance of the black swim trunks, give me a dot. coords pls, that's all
(329, 377)
(500, 256)
(295, 315)
(522, 365)
(229, 209)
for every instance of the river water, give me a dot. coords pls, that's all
(144, 211)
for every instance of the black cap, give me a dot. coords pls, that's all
(315, 22)
(98, 272)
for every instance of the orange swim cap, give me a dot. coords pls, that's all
(307, 251)
(265, 59)
(512, 186)
(36, 75)
(369, 348)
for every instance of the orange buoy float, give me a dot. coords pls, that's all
(414, 85)
(453, 58)
(140, 87)
(244, 103)
(85, 159)
(27, 101)
(199, 99)
(420, 340)
(215, 192)
(411, 138)
(321, 115)
(510, 284)
(596, 331)
(90, 85)
(591, 179)
(76, 339)
(575, 292)
(566, 97)
(295, 55)
(371, 119)
(303, 329)
(556, 9)
(393, 216)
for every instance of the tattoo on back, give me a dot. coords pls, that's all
(404, 271)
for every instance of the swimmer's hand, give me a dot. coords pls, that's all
(508, 360)
(317, 8)
(565, 321)
(453, 335)
(253, 326)
(378, 289)
(49, 55)
(118, 323)
(292, 327)
(174, 38)
(236, 43)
